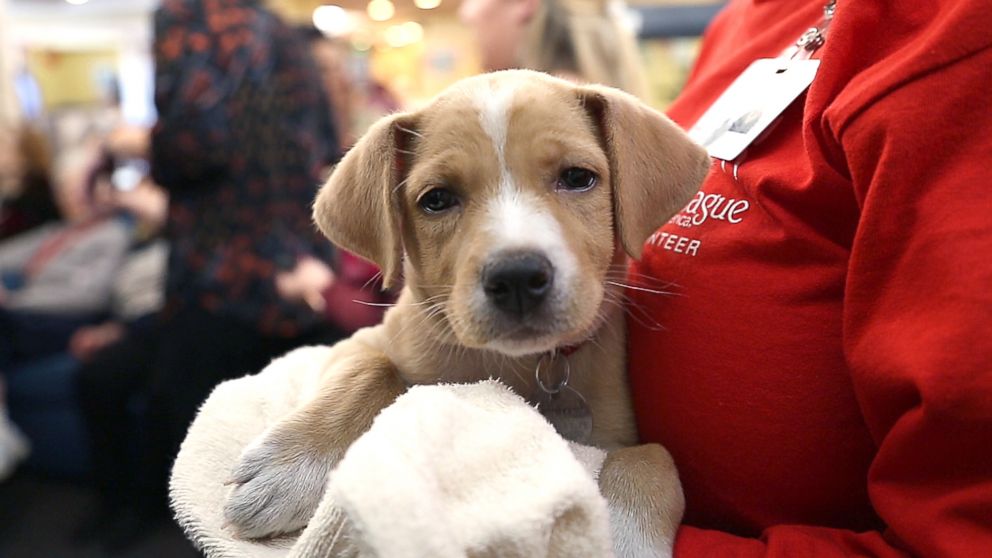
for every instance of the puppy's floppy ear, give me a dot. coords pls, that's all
(359, 207)
(655, 168)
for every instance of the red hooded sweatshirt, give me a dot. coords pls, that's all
(823, 374)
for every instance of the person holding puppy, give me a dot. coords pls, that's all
(822, 378)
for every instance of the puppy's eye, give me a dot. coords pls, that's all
(438, 200)
(576, 179)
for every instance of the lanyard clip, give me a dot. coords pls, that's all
(814, 37)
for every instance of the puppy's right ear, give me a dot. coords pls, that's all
(359, 207)
(655, 168)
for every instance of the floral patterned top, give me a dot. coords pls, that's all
(244, 132)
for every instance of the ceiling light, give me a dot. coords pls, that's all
(403, 35)
(426, 4)
(333, 21)
(380, 10)
(412, 32)
(77, 2)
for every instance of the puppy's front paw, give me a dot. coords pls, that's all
(279, 482)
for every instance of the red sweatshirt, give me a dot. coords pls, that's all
(824, 377)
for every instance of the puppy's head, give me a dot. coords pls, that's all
(504, 200)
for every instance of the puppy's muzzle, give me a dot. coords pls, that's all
(517, 284)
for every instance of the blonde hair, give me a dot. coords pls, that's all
(587, 38)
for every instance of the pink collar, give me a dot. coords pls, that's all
(569, 350)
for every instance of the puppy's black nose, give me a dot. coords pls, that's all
(517, 284)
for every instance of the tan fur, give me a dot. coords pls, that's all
(648, 169)
(641, 485)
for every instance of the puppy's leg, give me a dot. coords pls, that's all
(280, 478)
(642, 488)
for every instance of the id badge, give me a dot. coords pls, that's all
(752, 102)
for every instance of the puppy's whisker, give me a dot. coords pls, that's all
(614, 326)
(642, 289)
(440, 335)
(457, 352)
(434, 313)
(613, 302)
(595, 343)
(401, 184)
(392, 304)
(409, 131)
(429, 300)
(376, 304)
(373, 279)
(614, 270)
(641, 280)
(643, 317)
(505, 363)
(632, 309)
(419, 319)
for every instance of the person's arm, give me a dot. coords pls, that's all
(917, 318)
(89, 340)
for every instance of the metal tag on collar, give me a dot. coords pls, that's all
(559, 403)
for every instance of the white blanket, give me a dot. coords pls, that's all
(446, 471)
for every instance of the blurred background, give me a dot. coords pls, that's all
(101, 221)
(65, 56)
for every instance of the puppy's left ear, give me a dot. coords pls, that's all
(655, 168)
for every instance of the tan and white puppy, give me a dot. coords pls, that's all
(509, 205)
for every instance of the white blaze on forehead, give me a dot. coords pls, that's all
(493, 102)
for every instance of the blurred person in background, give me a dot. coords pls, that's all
(60, 284)
(26, 199)
(579, 40)
(244, 133)
(57, 277)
